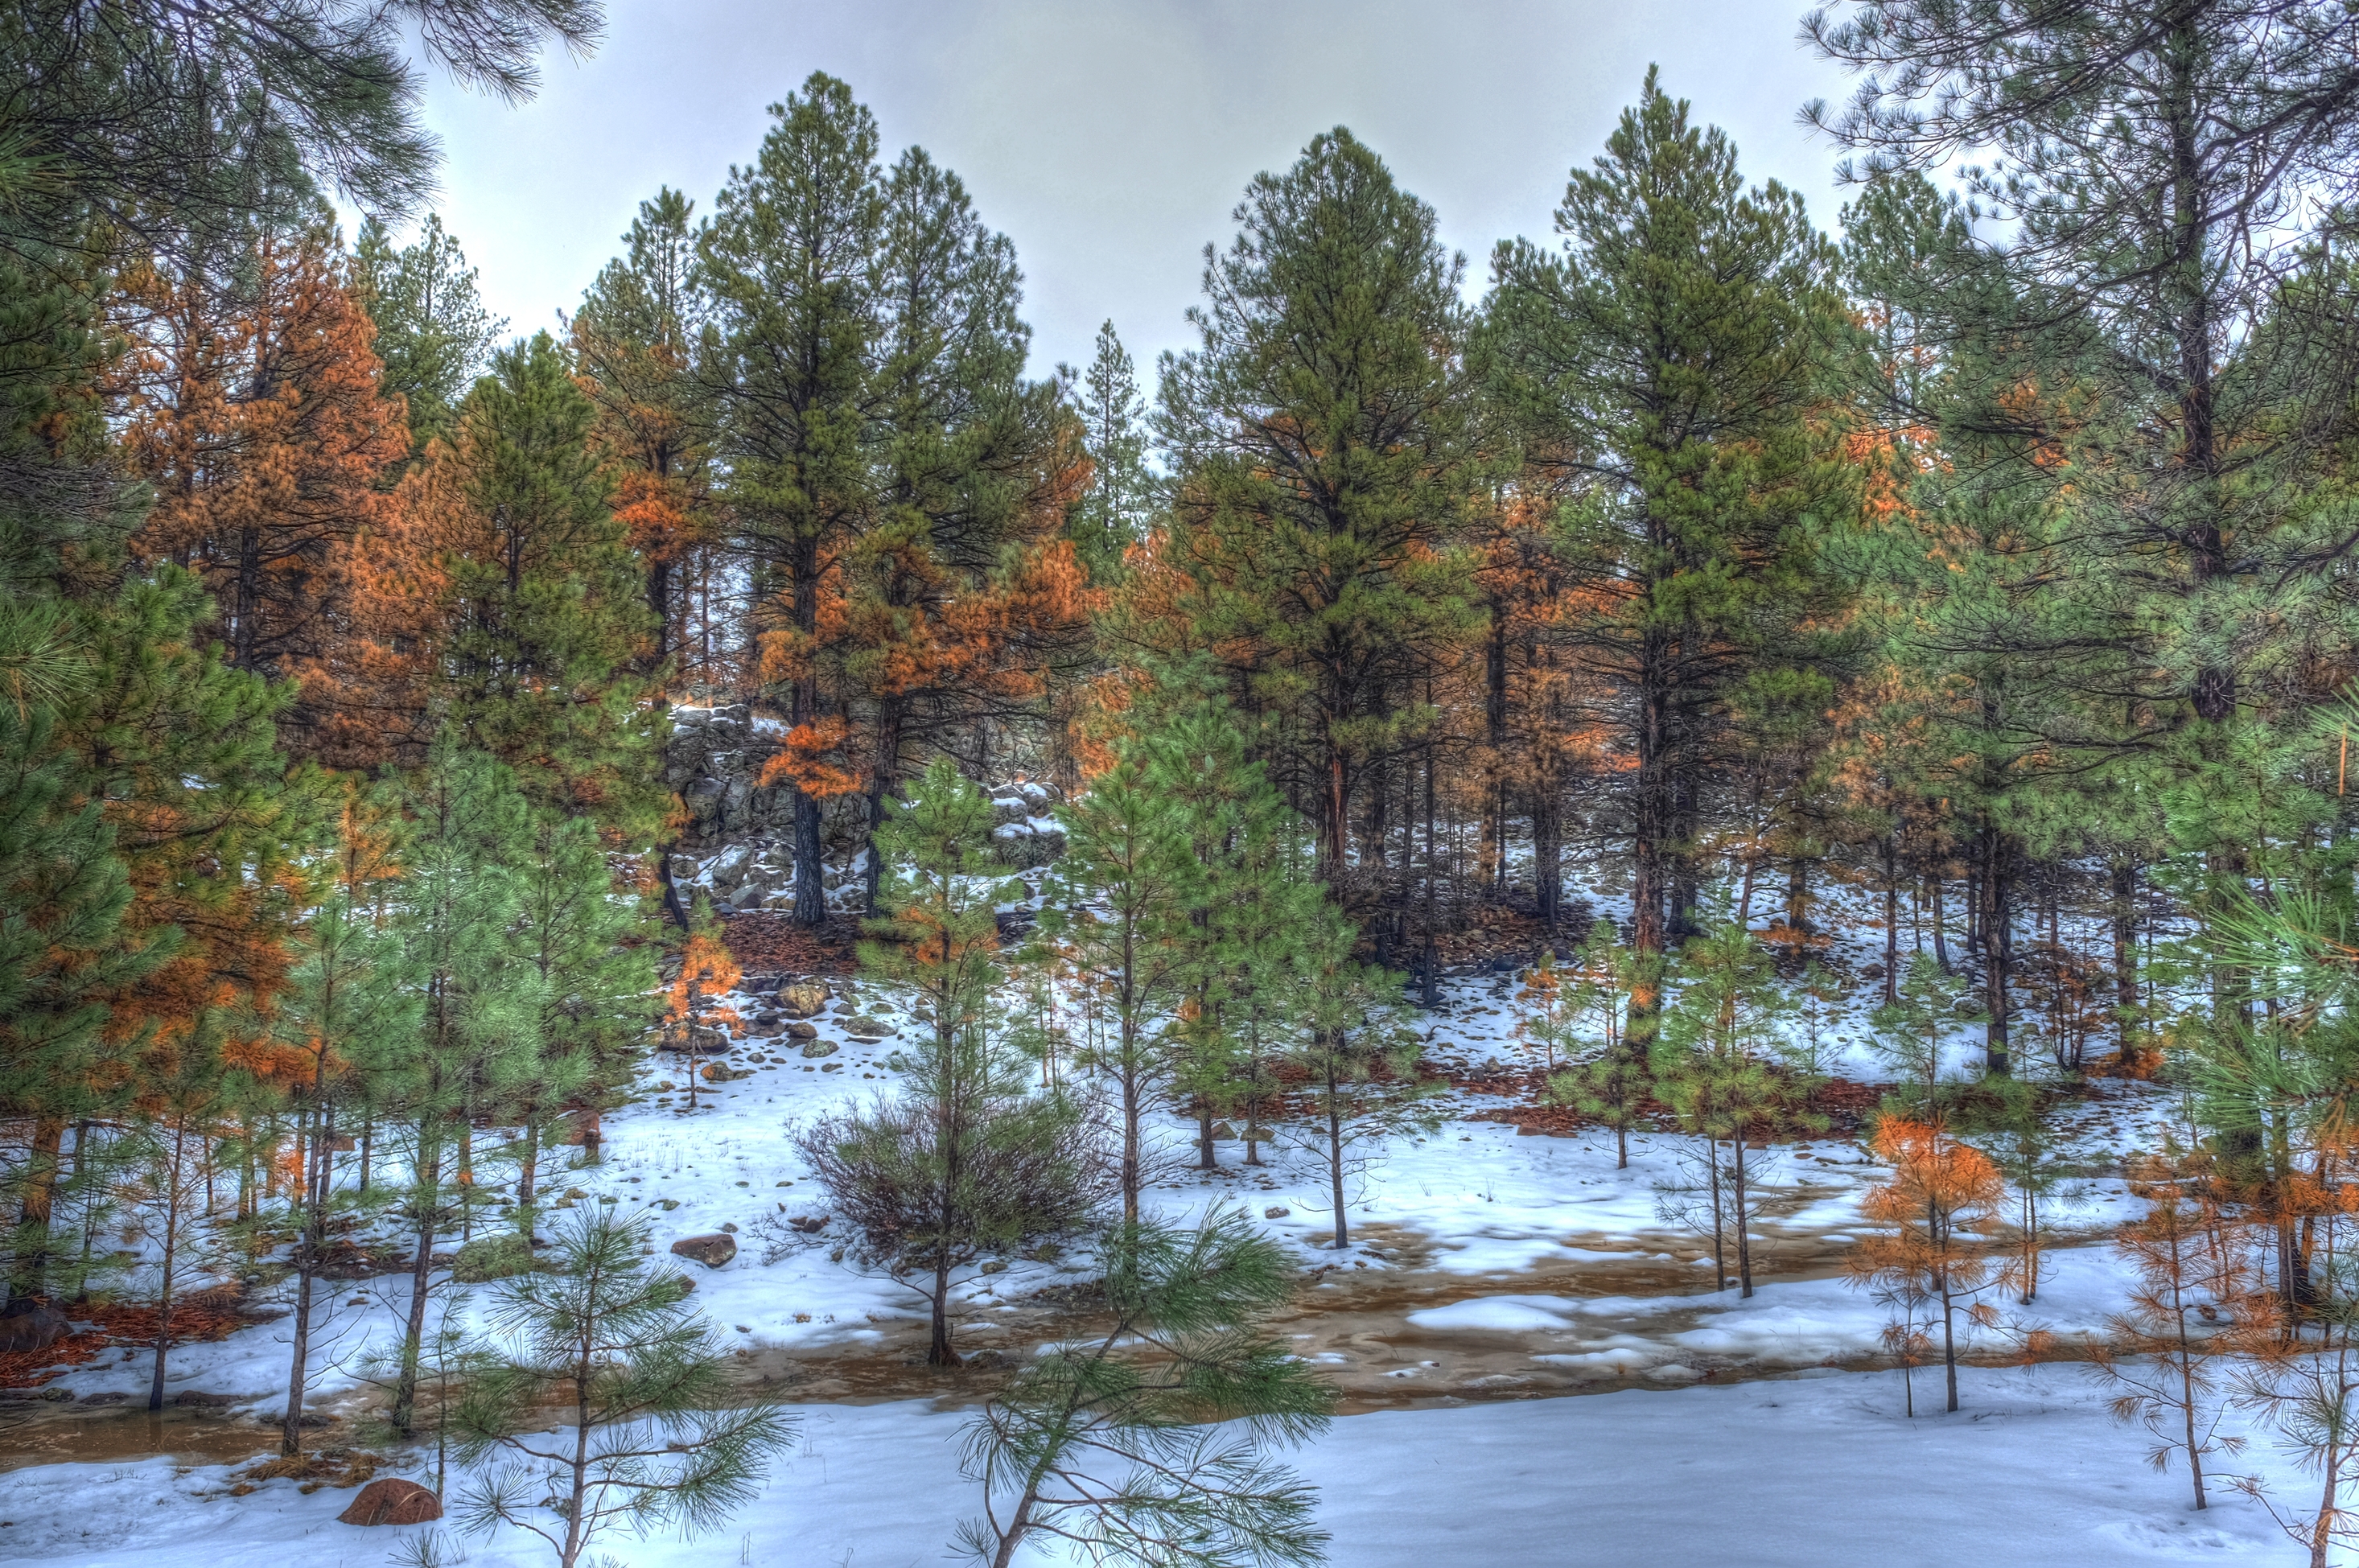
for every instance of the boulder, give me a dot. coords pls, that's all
(390, 1500)
(721, 1072)
(800, 1030)
(819, 1048)
(30, 1325)
(865, 1028)
(712, 1251)
(803, 1000)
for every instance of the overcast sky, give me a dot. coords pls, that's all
(1111, 138)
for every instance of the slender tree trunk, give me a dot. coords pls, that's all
(1335, 1152)
(1719, 1224)
(1891, 921)
(165, 1281)
(1941, 927)
(35, 1208)
(1743, 1231)
(2123, 875)
(1993, 888)
(427, 1197)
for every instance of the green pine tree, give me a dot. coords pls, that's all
(1113, 515)
(965, 1162)
(1716, 1063)
(551, 612)
(1667, 365)
(1321, 444)
(433, 333)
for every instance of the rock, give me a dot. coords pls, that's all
(667, 1204)
(712, 1251)
(196, 1400)
(390, 1500)
(866, 1028)
(995, 1266)
(819, 1048)
(800, 1030)
(801, 1001)
(1276, 1212)
(732, 1229)
(576, 1193)
(721, 1072)
(29, 1325)
(807, 1224)
(1224, 1133)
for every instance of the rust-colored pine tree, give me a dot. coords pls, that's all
(707, 973)
(254, 410)
(2194, 1277)
(1940, 1193)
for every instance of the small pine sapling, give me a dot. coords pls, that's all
(1912, 1030)
(1941, 1191)
(2192, 1280)
(1611, 1087)
(2024, 1148)
(1148, 1443)
(1551, 1011)
(707, 973)
(1715, 1064)
(652, 1439)
(1361, 1057)
(163, 1196)
(1811, 1048)
(965, 1162)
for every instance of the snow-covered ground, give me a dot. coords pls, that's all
(1817, 1467)
(1818, 1472)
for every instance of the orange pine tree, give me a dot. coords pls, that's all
(254, 410)
(707, 972)
(1940, 1192)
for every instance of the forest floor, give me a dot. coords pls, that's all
(1497, 1261)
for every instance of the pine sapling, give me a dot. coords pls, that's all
(2193, 1279)
(651, 1441)
(1148, 1443)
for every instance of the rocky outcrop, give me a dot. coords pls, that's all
(738, 847)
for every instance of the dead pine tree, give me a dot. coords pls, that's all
(2192, 1279)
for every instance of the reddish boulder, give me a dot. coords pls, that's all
(712, 1251)
(392, 1501)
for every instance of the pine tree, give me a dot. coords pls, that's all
(1940, 1192)
(352, 1007)
(432, 332)
(1669, 362)
(1149, 1445)
(965, 1162)
(654, 1440)
(1113, 516)
(633, 339)
(1117, 907)
(787, 356)
(1613, 1085)
(1361, 1057)
(1716, 1065)
(482, 1008)
(1322, 452)
(549, 612)
(587, 944)
(1251, 896)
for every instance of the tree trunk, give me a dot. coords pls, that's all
(1335, 1153)
(2123, 876)
(1993, 887)
(1744, 1238)
(427, 1196)
(172, 1188)
(32, 1262)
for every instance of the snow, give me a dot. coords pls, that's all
(1812, 1472)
